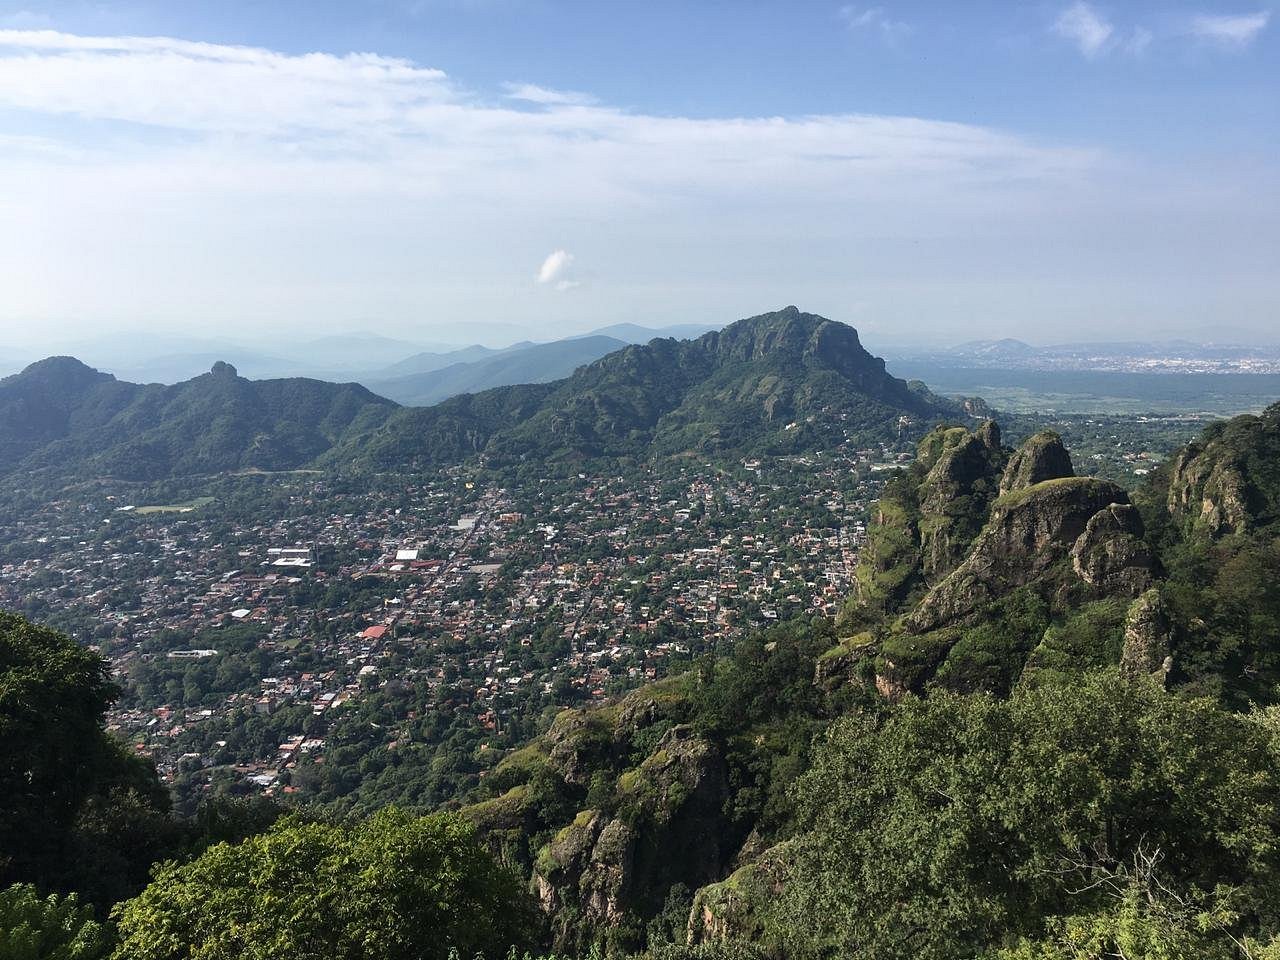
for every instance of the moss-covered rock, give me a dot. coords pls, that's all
(1148, 634)
(1111, 555)
(1041, 457)
(741, 907)
(955, 494)
(1031, 530)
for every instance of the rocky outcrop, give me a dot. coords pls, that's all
(1042, 457)
(1031, 529)
(955, 494)
(1148, 632)
(605, 886)
(1208, 488)
(889, 561)
(578, 743)
(1111, 555)
(562, 862)
(666, 828)
(740, 907)
(839, 665)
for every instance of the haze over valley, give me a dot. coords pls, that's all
(540, 480)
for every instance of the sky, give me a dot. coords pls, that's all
(493, 170)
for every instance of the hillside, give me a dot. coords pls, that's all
(987, 571)
(781, 382)
(784, 381)
(527, 363)
(63, 418)
(1046, 726)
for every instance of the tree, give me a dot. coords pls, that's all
(964, 822)
(77, 811)
(392, 887)
(48, 928)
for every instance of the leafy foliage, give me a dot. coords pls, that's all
(48, 928)
(965, 821)
(76, 811)
(392, 886)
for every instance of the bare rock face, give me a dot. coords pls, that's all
(738, 907)
(955, 494)
(1209, 490)
(668, 829)
(1148, 632)
(1042, 457)
(561, 863)
(1111, 555)
(589, 865)
(577, 742)
(607, 881)
(1030, 530)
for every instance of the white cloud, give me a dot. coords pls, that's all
(532, 93)
(554, 269)
(203, 86)
(873, 18)
(1085, 27)
(1230, 31)
(164, 181)
(1138, 41)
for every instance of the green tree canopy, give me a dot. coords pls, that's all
(955, 824)
(394, 886)
(33, 927)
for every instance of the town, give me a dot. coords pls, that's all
(270, 631)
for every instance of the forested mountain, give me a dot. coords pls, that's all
(1044, 728)
(62, 417)
(528, 363)
(784, 381)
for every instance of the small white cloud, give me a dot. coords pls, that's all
(1230, 31)
(1138, 41)
(555, 268)
(873, 18)
(532, 93)
(1085, 27)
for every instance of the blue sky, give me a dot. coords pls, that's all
(533, 168)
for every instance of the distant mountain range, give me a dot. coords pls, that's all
(383, 364)
(524, 363)
(784, 381)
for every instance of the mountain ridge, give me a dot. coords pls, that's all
(785, 381)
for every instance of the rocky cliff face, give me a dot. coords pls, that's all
(1228, 482)
(1148, 633)
(1207, 487)
(663, 827)
(955, 494)
(1111, 555)
(1031, 529)
(1055, 539)
(925, 522)
(739, 907)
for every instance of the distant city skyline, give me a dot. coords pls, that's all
(512, 169)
